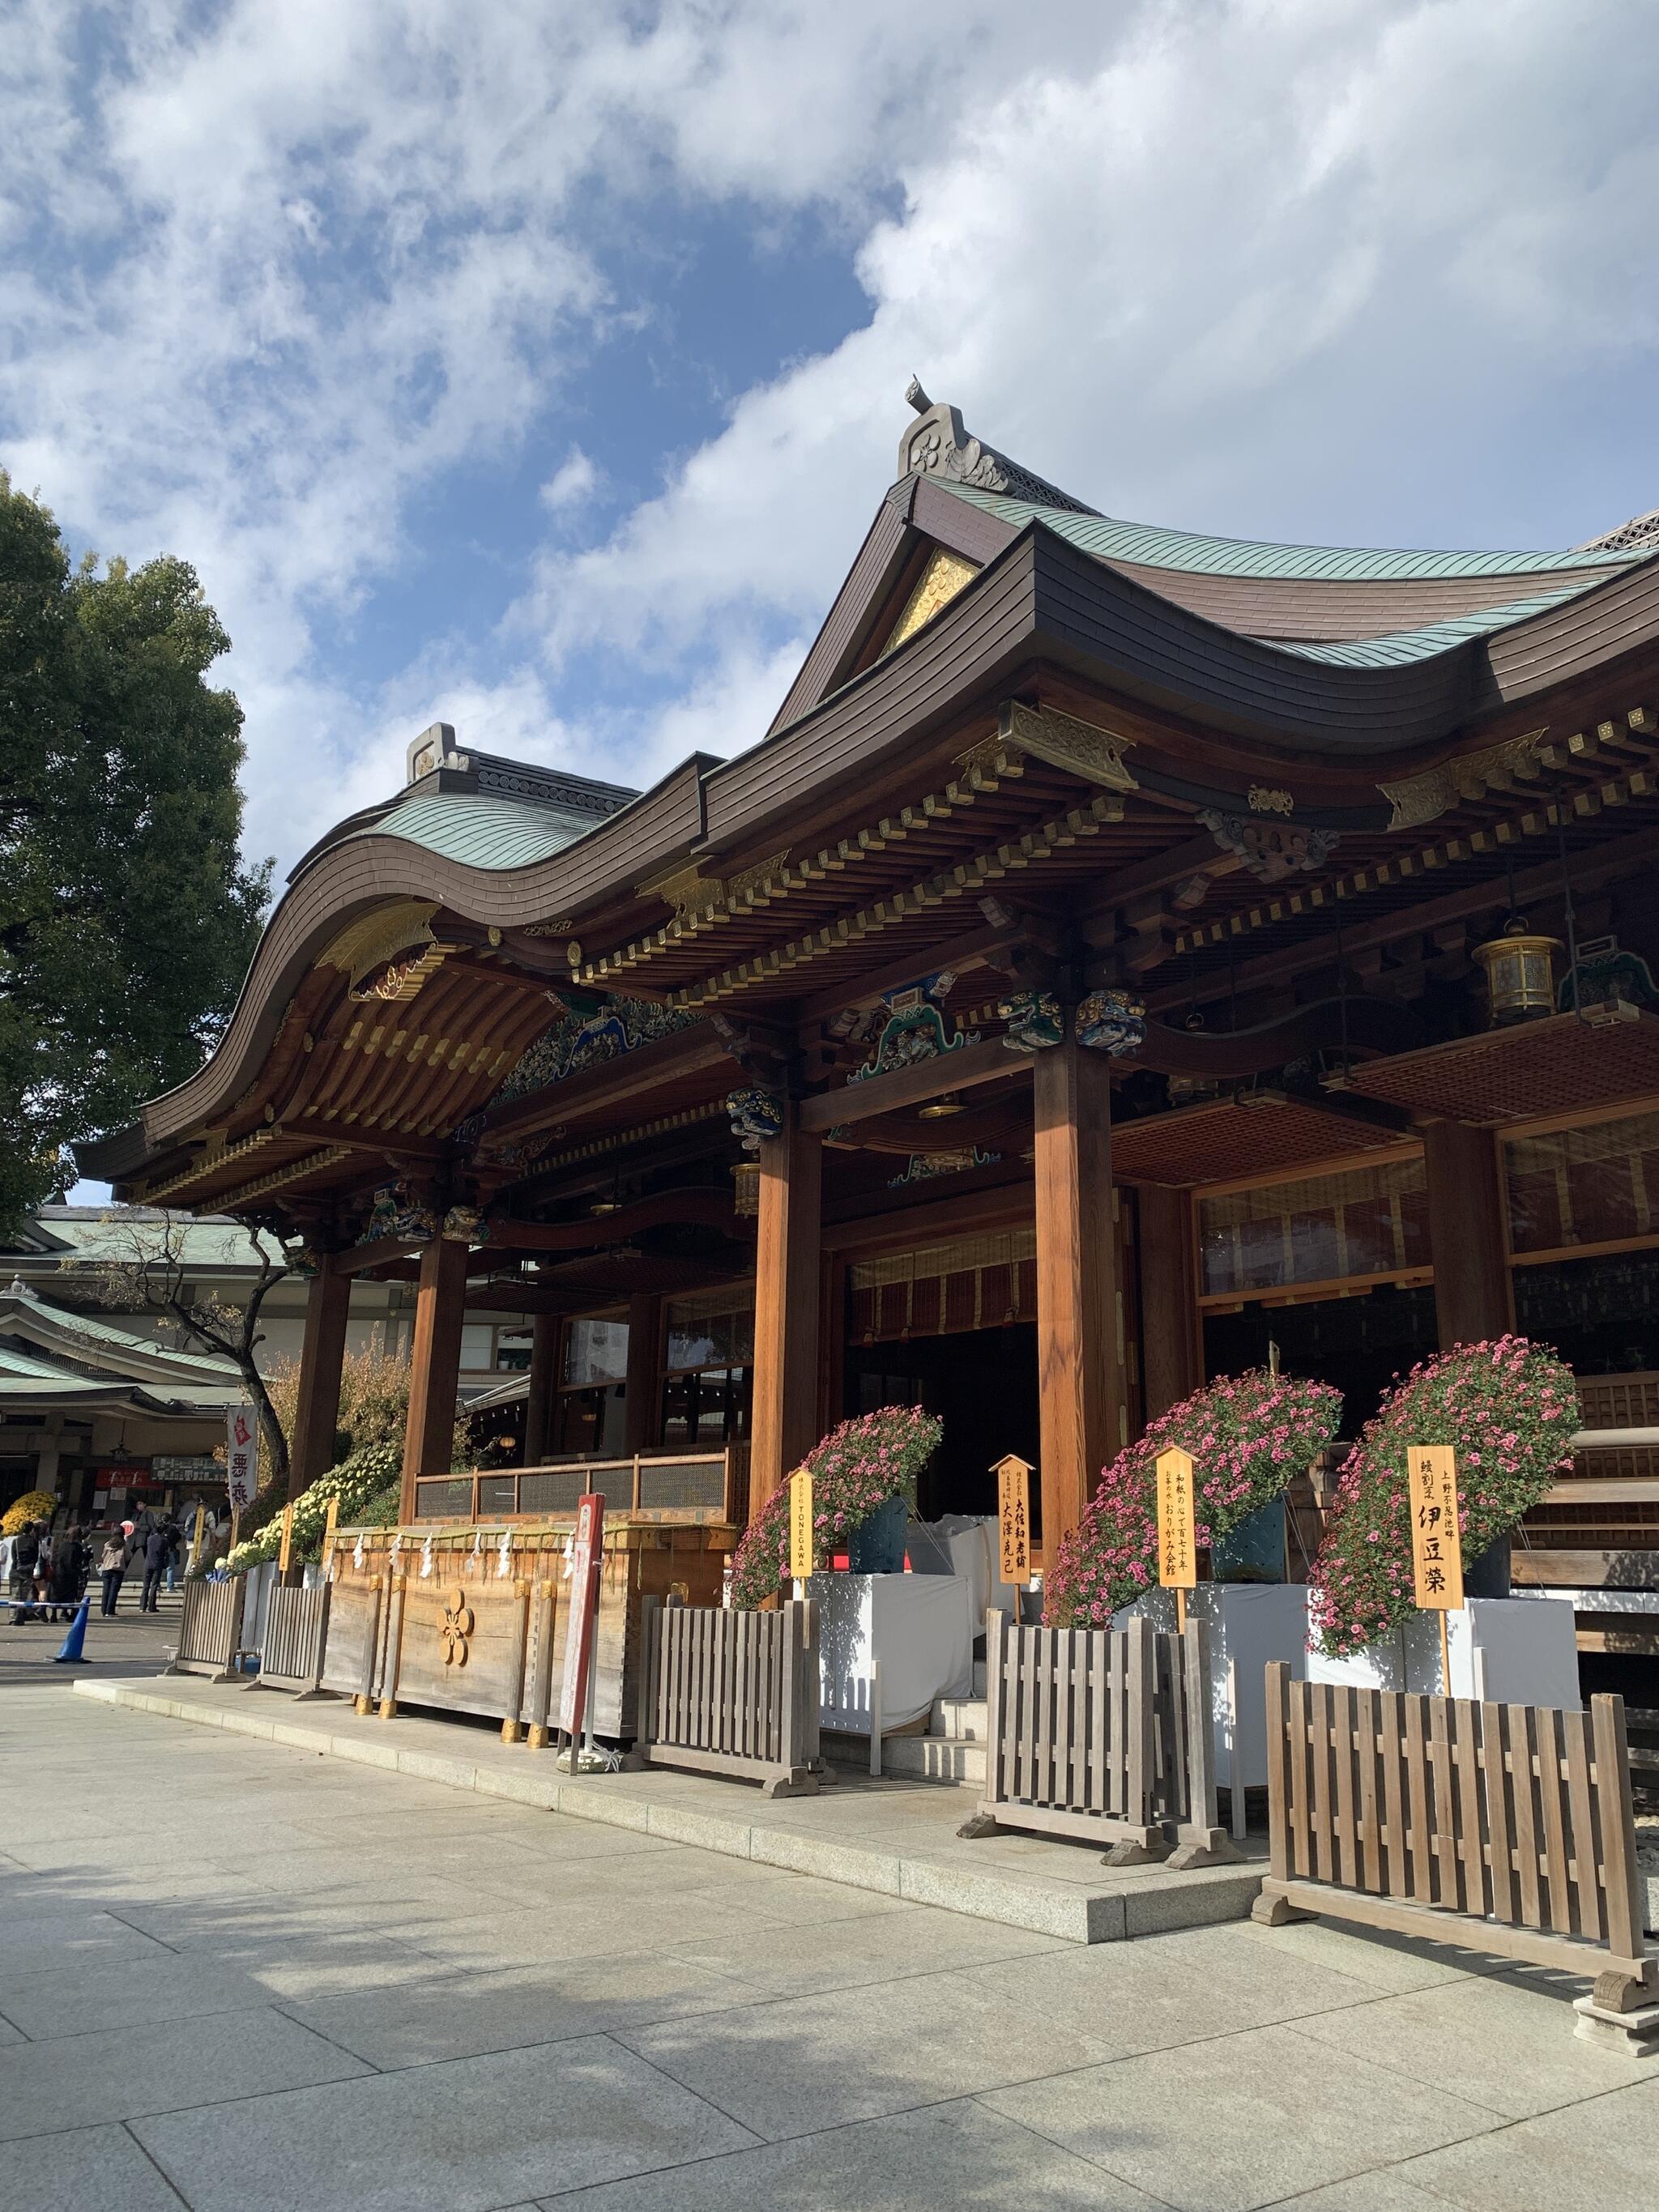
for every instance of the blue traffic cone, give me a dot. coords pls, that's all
(71, 1655)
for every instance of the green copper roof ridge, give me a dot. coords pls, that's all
(491, 831)
(1149, 545)
(1400, 646)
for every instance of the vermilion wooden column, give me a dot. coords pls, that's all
(1078, 1377)
(435, 1365)
(783, 1416)
(640, 1407)
(1171, 1340)
(322, 1355)
(1474, 1297)
(543, 1377)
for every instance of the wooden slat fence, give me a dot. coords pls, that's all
(295, 1637)
(210, 1628)
(1507, 1828)
(1102, 1732)
(723, 1692)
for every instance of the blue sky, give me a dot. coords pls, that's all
(539, 367)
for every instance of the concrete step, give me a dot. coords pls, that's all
(935, 1758)
(963, 1718)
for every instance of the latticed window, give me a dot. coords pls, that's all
(1363, 1226)
(1577, 1190)
(967, 1283)
(710, 1350)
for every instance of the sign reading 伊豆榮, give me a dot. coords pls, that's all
(1177, 1541)
(1013, 1476)
(1436, 1539)
(801, 1560)
(241, 1456)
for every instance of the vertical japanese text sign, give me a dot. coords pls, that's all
(1437, 1542)
(331, 1522)
(584, 1612)
(1177, 1543)
(241, 1456)
(1013, 1476)
(800, 1525)
(286, 1553)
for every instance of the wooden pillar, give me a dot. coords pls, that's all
(544, 1341)
(1079, 1381)
(1474, 1297)
(1171, 1336)
(783, 1418)
(641, 1423)
(435, 1365)
(322, 1355)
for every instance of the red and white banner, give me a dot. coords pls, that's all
(584, 1612)
(242, 1456)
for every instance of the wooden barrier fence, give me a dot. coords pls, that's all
(1507, 1828)
(210, 1628)
(1104, 1734)
(294, 1640)
(723, 1692)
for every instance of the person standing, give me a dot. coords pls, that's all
(67, 1576)
(158, 1547)
(25, 1558)
(113, 1567)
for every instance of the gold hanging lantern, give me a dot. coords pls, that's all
(745, 1188)
(1520, 972)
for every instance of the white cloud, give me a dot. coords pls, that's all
(1284, 266)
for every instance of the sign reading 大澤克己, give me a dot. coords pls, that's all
(1013, 1476)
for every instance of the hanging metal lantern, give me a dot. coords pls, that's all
(745, 1188)
(1520, 972)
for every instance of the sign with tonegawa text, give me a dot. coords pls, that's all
(1177, 1542)
(584, 1612)
(801, 1563)
(241, 1456)
(1013, 1476)
(1436, 1540)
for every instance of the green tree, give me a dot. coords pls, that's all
(127, 920)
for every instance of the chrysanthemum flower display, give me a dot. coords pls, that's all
(855, 1470)
(1248, 1435)
(1508, 1408)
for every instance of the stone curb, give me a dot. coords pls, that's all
(1069, 1911)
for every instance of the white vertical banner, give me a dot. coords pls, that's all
(242, 1456)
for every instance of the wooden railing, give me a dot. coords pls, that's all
(210, 1628)
(688, 1487)
(724, 1691)
(1507, 1828)
(294, 1640)
(1102, 1732)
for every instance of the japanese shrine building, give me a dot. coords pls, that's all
(1103, 964)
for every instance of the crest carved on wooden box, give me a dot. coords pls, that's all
(455, 1629)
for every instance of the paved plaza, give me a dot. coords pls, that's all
(237, 1974)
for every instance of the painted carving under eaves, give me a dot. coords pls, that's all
(577, 1041)
(1034, 1021)
(916, 1028)
(1111, 1021)
(757, 1115)
(1270, 850)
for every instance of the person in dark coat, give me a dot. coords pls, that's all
(25, 1560)
(158, 1550)
(68, 1574)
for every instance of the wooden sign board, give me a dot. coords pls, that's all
(331, 1522)
(1177, 1541)
(1013, 1476)
(286, 1551)
(1436, 1540)
(800, 1525)
(585, 1563)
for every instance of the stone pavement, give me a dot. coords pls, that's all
(133, 1644)
(237, 1975)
